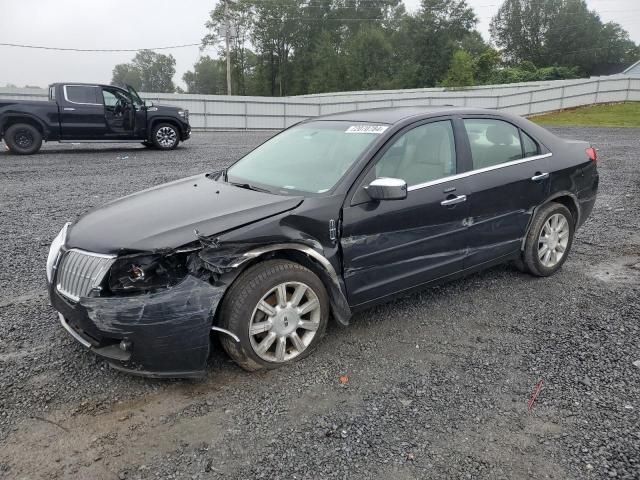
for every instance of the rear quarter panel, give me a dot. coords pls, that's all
(45, 113)
(573, 172)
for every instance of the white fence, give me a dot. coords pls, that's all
(220, 112)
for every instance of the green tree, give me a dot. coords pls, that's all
(148, 72)
(240, 21)
(559, 32)
(429, 38)
(485, 65)
(460, 72)
(369, 60)
(208, 77)
(127, 74)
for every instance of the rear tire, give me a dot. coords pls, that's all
(549, 240)
(23, 139)
(165, 136)
(285, 335)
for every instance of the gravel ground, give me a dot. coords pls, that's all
(438, 382)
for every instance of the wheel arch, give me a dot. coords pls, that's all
(303, 255)
(14, 118)
(157, 120)
(565, 198)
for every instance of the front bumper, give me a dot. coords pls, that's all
(168, 332)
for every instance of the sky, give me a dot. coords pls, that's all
(153, 23)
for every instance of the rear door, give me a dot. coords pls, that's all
(82, 115)
(393, 245)
(509, 177)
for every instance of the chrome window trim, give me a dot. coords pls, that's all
(479, 170)
(66, 96)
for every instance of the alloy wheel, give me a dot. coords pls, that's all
(166, 137)
(284, 322)
(553, 240)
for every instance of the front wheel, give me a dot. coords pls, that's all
(165, 136)
(279, 310)
(549, 240)
(23, 139)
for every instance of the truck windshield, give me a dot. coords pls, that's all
(309, 158)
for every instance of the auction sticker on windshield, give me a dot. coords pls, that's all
(378, 129)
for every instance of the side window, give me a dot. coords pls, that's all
(82, 94)
(492, 142)
(530, 146)
(110, 99)
(52, 93)
(422, 154)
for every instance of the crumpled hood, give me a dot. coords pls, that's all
(167, 215)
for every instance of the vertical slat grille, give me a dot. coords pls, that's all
(80, 272)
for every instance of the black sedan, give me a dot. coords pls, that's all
(333, 215)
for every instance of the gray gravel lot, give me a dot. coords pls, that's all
(438, 382)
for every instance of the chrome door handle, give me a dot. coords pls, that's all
(540, 176)
(69, 109)
(454, 200)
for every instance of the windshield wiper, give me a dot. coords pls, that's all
(248, 186)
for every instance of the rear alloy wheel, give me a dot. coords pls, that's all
(165, 136)
(279, 310)
(23, 139)
(549, 240)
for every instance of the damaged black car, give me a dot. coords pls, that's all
(330, 216)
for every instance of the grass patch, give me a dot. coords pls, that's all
(615, 115)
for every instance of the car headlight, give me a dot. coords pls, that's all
(146, 273)
(182, 113)
(54, 250)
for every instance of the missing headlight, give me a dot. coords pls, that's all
(146, 273)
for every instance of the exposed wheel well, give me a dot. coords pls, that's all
(285, 254)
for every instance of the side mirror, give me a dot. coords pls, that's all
(387, 189)
(148, 103)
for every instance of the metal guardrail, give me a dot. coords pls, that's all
(221, 112)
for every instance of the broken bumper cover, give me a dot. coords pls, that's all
(166, 333)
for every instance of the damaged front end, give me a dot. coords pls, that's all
(152, 313)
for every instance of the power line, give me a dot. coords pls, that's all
(62, 49)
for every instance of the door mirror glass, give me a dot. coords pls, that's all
(387, 189)
(148, 103)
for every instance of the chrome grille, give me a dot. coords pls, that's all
(79, 272)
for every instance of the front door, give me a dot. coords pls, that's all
(394, 245)
(510, 178)
(82, 113)
(120, 114)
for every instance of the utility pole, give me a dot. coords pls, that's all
(227, 41)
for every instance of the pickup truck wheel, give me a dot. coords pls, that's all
(165, 136)
(279, 310)
(549, 240)
(23, 139)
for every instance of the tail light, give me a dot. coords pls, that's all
(592, 153)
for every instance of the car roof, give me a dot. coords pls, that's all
(81, 84)
(391, 115)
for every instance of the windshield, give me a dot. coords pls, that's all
(310, 157)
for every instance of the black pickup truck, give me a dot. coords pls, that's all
(90, 113)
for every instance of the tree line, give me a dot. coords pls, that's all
(289, 47)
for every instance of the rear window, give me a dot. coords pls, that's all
(82, 94)
(492, 142)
